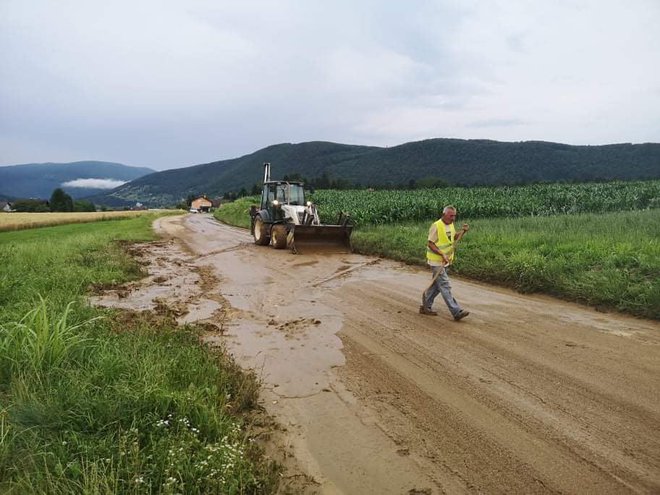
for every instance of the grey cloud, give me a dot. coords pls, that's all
(497, 123)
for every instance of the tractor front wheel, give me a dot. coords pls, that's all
(278, 234)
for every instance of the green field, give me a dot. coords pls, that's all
(598, 244)
(98, 401)
(386, 207)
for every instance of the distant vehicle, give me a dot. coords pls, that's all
(194, 210)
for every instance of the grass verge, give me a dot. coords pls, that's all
(98, 401)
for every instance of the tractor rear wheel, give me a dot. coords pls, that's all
(278, 234)
(260, 233)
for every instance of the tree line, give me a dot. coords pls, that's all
(324, 181)
(59, 201)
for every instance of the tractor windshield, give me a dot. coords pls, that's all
(292, 194)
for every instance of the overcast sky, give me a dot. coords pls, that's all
(174, 83)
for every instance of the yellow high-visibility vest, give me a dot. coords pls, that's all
(444, 244)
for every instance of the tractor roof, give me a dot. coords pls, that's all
(296, 182)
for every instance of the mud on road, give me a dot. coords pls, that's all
(526, 395)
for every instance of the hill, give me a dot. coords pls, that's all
(78, 179)
(454, 161)
(218, 178)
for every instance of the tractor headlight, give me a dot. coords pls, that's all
(309, 203)
(276, 203)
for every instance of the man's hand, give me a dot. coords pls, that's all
(461, 233)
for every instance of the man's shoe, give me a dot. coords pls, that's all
(461, 314)
(429, 312)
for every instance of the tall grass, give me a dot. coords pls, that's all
(36, 343)
(98, 402)
(237, 212)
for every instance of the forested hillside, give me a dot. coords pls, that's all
(433, 162)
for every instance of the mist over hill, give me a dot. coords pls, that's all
(452, 161)
(78, 179)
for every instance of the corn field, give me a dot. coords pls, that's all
(383, 207)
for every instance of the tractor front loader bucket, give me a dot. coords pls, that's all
(308, 239)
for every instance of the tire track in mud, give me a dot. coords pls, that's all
(511, 409)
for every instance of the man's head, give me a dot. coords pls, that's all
(448, 214)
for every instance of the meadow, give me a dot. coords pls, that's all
(598, 244)
(21, 220)
(105, 402)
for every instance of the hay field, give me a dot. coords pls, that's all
(20, 221)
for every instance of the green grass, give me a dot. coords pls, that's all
(609, 261)
(98, 401)
(63, 261)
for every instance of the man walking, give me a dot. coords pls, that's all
(440, 249)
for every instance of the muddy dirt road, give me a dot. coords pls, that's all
(526, 395)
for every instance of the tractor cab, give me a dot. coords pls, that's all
(278, 197)
(289, 193)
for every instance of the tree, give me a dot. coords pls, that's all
(60, 201)
(31, 205)
(323, 182)
(83, 205)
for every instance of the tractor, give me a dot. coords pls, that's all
(284, 219)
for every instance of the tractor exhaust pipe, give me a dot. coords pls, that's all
(266, 172)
